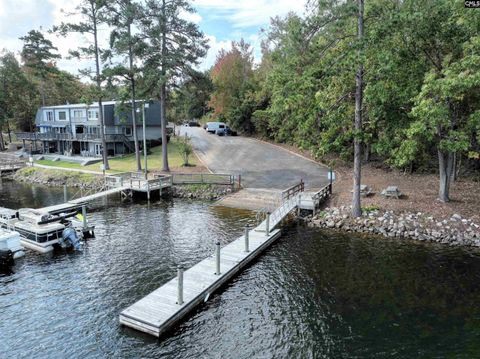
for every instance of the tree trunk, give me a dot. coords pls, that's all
(366, 155)
(163, 95)
(2, 143)
(456, 166)
(445, 166)
(9, 131)
(134, 110)
(357, 160)
(99, 89)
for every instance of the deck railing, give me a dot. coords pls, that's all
(293, 191)
(137, 181)
(203, 178)
(53, 136)
(11, 165)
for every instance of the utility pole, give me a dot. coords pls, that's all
(145, 105)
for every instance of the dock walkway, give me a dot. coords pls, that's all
(160, 310)
(114, 184)
(11, 166)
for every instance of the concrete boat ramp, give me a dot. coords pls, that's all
(162, 309)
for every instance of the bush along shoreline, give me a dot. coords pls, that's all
(455, 231)
(55, 178)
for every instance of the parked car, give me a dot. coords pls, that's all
(212, 127)
(227, 131)
(193, 124)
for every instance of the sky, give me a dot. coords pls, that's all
(221, 21)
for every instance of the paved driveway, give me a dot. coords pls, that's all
(261, 165)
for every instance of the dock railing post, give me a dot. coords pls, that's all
(247, 234)
(217, 258)
(180, 285)
(267, 224)
(330, 177)
(84, 215)
(65, 194)
(299, 203)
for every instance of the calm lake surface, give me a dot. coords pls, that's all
(311, 295)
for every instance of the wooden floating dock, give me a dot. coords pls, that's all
(159, 311)
(114, 184)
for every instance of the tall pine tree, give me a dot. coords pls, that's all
(93, 15)
(175, 45)
(123, 15)
(38, 54)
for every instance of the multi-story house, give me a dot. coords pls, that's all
(75, 129)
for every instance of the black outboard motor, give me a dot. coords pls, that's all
(6, 259)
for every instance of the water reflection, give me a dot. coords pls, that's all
(311, 295)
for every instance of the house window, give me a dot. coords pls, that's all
(62, 116)
(77, 114)
(93, 115)
(127, 131)
(49, 115)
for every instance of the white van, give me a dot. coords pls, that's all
(212, 127)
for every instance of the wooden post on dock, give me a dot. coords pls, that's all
(247, 229)
(299, 204)
(330, 177)
(267, 224)
(65, 194)
(180, 285)
(217, 258)
(84, 215)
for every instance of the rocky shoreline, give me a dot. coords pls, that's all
(455, 231)
(203, 192)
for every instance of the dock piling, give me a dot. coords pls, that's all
(299, 205)
(217, 258)
(247, 229)
(65, 194)
(180, 285)
(267, 224)
(84, 215)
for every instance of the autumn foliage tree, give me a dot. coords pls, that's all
(232, 77)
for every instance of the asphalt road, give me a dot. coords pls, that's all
(261, 165)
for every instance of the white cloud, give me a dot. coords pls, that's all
(17, 17)
(248, 13)
(191, 16)
(215, 47)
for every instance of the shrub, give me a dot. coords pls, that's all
(185, 148)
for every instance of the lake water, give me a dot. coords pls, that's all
(311, 295)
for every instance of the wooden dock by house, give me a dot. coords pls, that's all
(166, 306)
(10, 166)
(125, 184)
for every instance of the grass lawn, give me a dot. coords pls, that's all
(127, 163)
